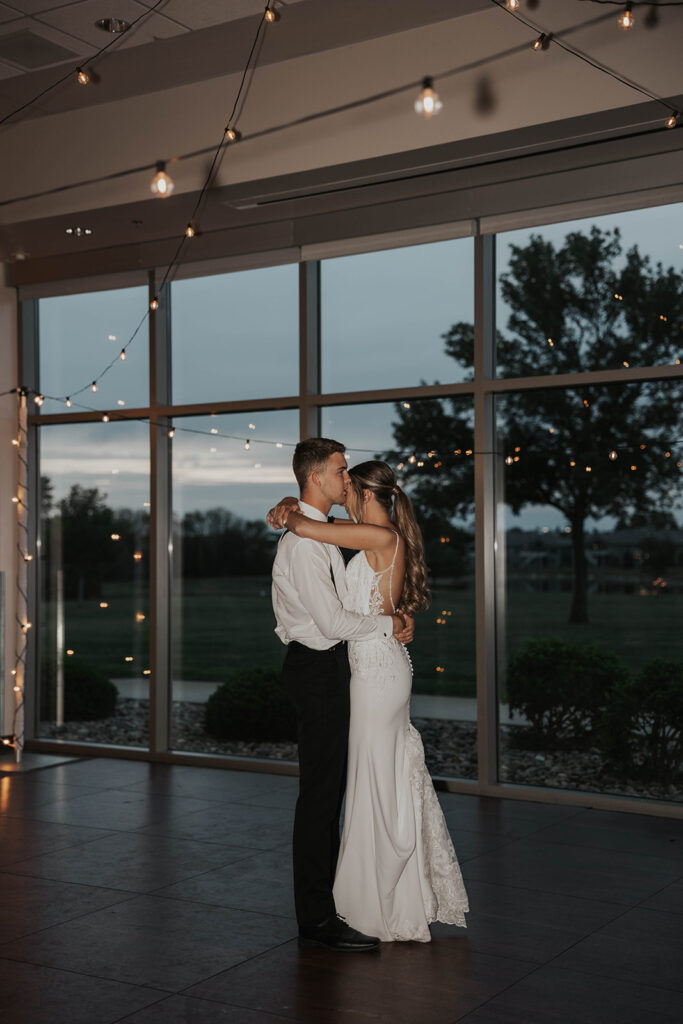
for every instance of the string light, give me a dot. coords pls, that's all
(93, 386)
(154, 304)
(39, 400)
(270, 15)
(189, 231)
(428, 103)
(122, 356)
(509, 460)
(541, 43)
(68, 403)
(247, 446)
(512, 5)
(231, 134)
(626, 20)
(105, 418)
(171, 433)
(162, 184)
(672, 120)
(82, 77)
(613, 455)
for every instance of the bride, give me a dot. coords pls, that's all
(397, 869)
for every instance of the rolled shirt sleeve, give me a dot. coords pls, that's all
(309, 573)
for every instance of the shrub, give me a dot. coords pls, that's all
(88, 693)
(642, 730)
(562, 690)
(251, 705)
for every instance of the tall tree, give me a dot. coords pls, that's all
(574, 308)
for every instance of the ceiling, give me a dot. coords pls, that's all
(38, 34)
(183, 42)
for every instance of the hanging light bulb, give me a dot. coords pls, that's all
(190, 231)
(428, 102)
(105, 418)
(154, 304)
(161, 184)
(93, 386)
(540, 43)
(82, 77)
(247, 446)
(39, 400)
(171, 433)
(232, 135)
(509, 461)
(626, 20)
(123, 354)
(68, 403)
(672, 119)
(270, 15)
(613, 456)
(512, 5)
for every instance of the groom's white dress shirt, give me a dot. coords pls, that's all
(307, 606)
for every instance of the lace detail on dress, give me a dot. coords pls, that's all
(448, 900)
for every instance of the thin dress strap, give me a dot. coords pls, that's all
(390, 570)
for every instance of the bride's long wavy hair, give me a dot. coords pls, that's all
(380, 478)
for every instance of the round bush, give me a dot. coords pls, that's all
(251, 705)
(562, 690)
(642, 730)
(88, 694)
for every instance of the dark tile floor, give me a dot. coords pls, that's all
(161, 895)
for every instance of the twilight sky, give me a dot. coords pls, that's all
(236, 336)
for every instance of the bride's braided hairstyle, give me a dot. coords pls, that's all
(380, 478)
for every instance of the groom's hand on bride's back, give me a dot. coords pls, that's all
(277, 517)
(404, 627)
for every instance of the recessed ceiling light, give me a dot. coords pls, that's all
(114, 25)
(78, 232)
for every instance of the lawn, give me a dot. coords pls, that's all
(221, 624)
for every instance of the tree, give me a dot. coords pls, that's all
(574, 308)
(87, 524)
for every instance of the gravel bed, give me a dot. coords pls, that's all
(450, 750)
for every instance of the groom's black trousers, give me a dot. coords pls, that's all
(318, 684)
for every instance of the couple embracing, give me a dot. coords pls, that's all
(349, 676)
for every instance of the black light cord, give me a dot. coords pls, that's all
(88, 62)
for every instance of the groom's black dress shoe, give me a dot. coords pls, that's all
(334, 933)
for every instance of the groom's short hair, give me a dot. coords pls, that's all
(311, 455)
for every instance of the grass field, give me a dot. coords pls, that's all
(222, 624)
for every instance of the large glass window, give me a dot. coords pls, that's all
(429, 445)
(94, 594)
(80, 335)
(236, 336)
(587, 533)
(599, 294)
(227, 472)
(385, 316)
(591, 551)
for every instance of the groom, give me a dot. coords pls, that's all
(308, 588)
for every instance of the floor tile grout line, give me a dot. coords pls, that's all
(82, 974)
(553, 892)
(58, 924)
(595, 931)
(278, 945)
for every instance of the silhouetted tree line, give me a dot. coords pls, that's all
(92, 542)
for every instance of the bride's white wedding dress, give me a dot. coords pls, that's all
(397, 869)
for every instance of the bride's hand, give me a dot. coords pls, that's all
(277, 517)
(408, 632)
